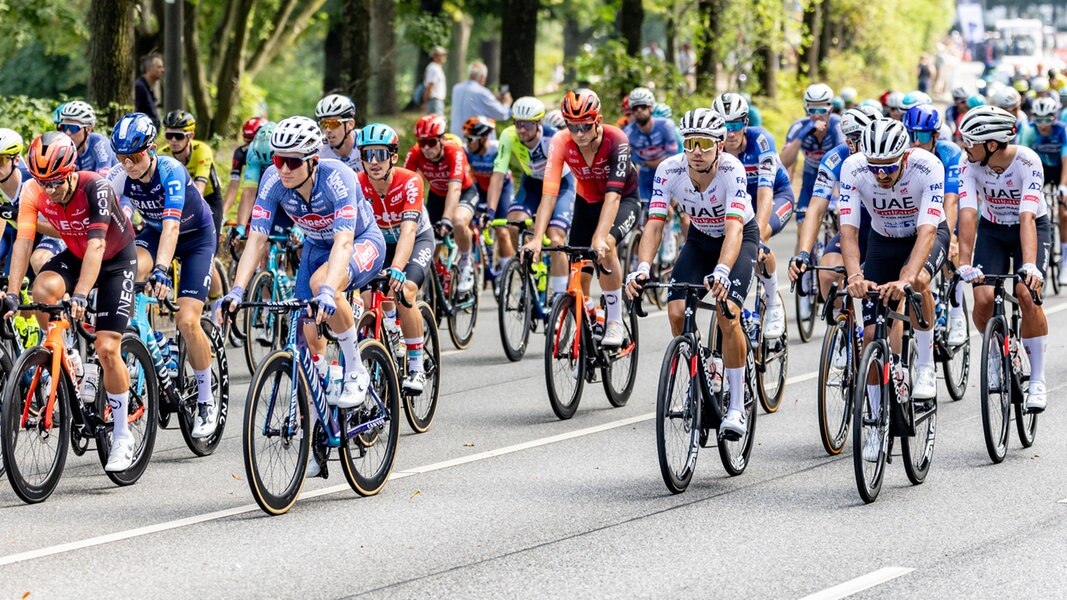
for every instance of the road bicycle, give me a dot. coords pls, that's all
(807, 298)
(771, 355)
(460, 309)
(955, 360)
(1053, 201)
(262, 330)
(523, 303)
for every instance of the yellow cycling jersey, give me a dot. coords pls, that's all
(201, 165)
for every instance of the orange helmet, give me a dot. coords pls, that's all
(52, 156)
(580, 105)
(430, 126)
(479, 126)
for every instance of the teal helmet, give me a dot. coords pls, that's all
(662, 111)
(378, 134)
(259, 148)
(975, 101)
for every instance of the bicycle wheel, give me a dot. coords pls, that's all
(1054, 255)
(996, 389)
(835, 386)
(275, 448)
(515, 310)
(1025, 422)
(33, 453)
(367, 458)
(772, 368)
(678, 414)
(142, 410)
(464, 313)
(809, 302)
(734, 454)
(621, 373)
(5, 369)
(564, 358)
(871, 419)
(262, 328)
(220, 391)
(957, 368)
(421, 409)
(918, 450)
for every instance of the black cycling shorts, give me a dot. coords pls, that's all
(214, 202)
(998, 248)
(887, 256)
(418, 267)
(700, 256)
(435, 205)
(587, 217)
(114, 285)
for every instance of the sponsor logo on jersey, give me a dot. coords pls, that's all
(314, 221)
(934, 212)
(346, 212)
(258, 212)
(364, 253)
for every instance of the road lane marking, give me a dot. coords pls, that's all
(865, 582)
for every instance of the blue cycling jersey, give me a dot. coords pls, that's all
(1051, 148)
(481, 165)
(337, 204)
(949, 155)
(829, 174)
(659, 143)
(812, 148)
(762, 166)
(169, 195)
(97, 155)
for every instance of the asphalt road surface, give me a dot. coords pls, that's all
(500, 499)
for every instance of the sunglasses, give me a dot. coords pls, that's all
(68, 128)
(175, 135)
(921, 137)
(818, 111)
(883, 169)
(526, 124)
(854, 139)
(375, 154)
(580, 127)
(705, 144)
(735, 126)
(470, 139)
(1044, 120)
(640, 107)
(130, 158)
(332, 123)
(293, 162)
(51, 185)
(429, 142)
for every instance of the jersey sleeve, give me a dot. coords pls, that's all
(1063, 145)
(411, 209)
(237, 164)
(27, 220)
(849, 201)
(347, 204)
(968, 191)
(266, 202)
(952, 170)
(827, 175)
(412, 161)
(457, 164)
(251, 174)
(105, 159)
(173, 178)
(554, 168)
(1028, 136)
(1033, 176)
(797, 130)
(736, 188)
(661, 195)
(117, 178)
(672, 146)
(619, 163)
(201, 163)
(768, 160)
(502, 163)
(100, 195)
(932, 205)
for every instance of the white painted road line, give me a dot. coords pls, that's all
(865, 582)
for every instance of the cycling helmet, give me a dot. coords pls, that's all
(641, 96)
(479, 126)
(960, 93)
(1040, 85)
(884, 139)
(78, 112)
(299, 135)
(1045, 107)
(1021, 85)
(848, 94)
(1007, 98)
(251, 126)
(923, 117)
(378, 134)
(915, 99)
(429, 126)
(703, 122)
(555, 119)
(626, 105)
(975, 100)
(133, 133)
(731, 106)
(52, 156)
(10, 142)
(662, 111)
(818, 93)
(335, 106)
(872, 103)
(580, 105)
(55, 113)
(895, 100)
(856, 120)
(528, 108)
(837, 104)
(179, 119)
(259, 148)
(988, 123)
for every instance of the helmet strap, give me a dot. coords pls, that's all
(311, 173)
(388, 172)
(988, 155)
(13, 169)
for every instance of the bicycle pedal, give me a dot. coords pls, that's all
(729, 436)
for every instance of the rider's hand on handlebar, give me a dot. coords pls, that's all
(1032, 277)
(160, 281)
(719, 283)
(969, 274)
(227, 305)
(634, 280)
(600, 244)
(397, 277)
(9, 304)
(858, 286)
(78, 304)
(798, 264)
(533, 249)
(444, 227)
(894, 290)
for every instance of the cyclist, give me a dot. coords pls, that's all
(76, 119)
(849, 97)
(178, 226)
(955, 111)
(554, 119)
(481, 154)
(651, 139)
(13, 175)
(99, 254)
(1048, 138)
(814, 135)
(606, 203)
(453, 198)
(902, 189)
(526, 143)
(196, 156)
(240, 158)
(336, 115)
(1009, 99)
(395, 195)
(1004, 218)
(894, 105)
(710, 185)
(768, 187)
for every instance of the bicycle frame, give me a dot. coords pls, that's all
(144, 330)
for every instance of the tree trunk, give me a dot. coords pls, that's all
(147, 32)
(671, 26)
(490, 53)
(197, 81)
(333, 48)
(355, 47)
(807, 61)
(289, 23)
(707, 66)
(456, 67)
(768, 75)
(519, 28)
(111, 26)
(383, 37)
(825, 37)
(230, 71)
(573, 35)
(631, 18)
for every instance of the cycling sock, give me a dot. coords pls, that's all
(119, 409)
(390, 314)
(613, 300)
(414, 353)
(1035, 347)
(770, 288)
(924, 343)
(1063, 253)
(347, 342)
(504, 260)
(465, 258)
(558, 283)
(957, 311)
(203, 387)
(736, 379)
(874, 392)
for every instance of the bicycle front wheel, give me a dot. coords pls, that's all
(836, 375)
(5, 370)
(1025, 422)
(772, 369)
(142, 411)
(621, 372)
(734, 453)
(367, 457)
(958, 366)
(870, 430)
(918, 450)
(807, 306)
(262, 328)
(678, 414)
(515, 310)
(464, 313)
(996, 389)
(421, 408)
(564, 358)
(220, 391)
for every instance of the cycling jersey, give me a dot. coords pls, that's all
(949, 155)
(915, 200)
(763, 169)
(200, 164)
(725, 198)
(610, 170)
(658, 143)
(452, 166)
(813, 148)
(92, 213)
(96, 156)
(23, 177)
(1051, 148)
(1001, 198)
(830, 172)
(353, 161)
(482, 164)
(532, 161)
(402, 203)
(237, 163)
(253, 171)
(169, 195)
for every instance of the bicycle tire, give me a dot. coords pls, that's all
(677, 360)
(918, 450)
(869, 481)
(622, 361)
(5, 369)
(420, 409)
(382, 442)
(735, 454)
(220, 388)
(461, 330)
(1025, 422)
(514, 311)
(957, 368)
(142, 406)
(806, 327)
(836, 417)
(260, 324)
(996, 399)
(561, 364)
(770, 397)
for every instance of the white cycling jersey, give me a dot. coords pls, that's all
(917, 198)
(725, 198)
(1002, 197)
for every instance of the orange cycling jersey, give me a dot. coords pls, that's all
(451, 167)
(403, 202)
(610, 171)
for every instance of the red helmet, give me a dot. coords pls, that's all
(251, 126)
(626, 105)
(430, 126)
(52, 156)
(580, 105)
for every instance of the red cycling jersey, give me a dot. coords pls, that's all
(92, 213)
(610, 171)
(403, 202)
(451, 167)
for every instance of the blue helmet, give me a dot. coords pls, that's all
(57, 113)
(133, 133)
(378, 134)
(922, 118)
(975, 101)
(662, 111)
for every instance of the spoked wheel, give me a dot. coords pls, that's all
(734, 453)
(514, 309)
(996, 389)
(367, 458)
(5, 369)
(958, 367)
(836, 378)
(220, 391)
(773, 367)
(678, 415)
(621, 372)
(871, 423)
(420, 409)
(464, 313)
(264, 330)
(1054, 256)
(142, 411)
(276, 447)
(807, 305)
(1025, 422)
(564, 358)
(34, 453)
(918, 450)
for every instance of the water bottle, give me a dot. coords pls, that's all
(90, 383)
(172, 357)
(396, 337)
(901, 381)
(322, 367)
(713, 370)
(751, 320)
(337, 380)
(598, 322)
(540, 271)
(74, 361)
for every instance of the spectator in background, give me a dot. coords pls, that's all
(685, 59)
(472, 99)
(653, 49)
(144, 98)
(434, 86)
(926, 73)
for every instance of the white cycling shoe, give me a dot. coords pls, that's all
(774, 322)
(466, 279)
(1036, 397)
(613, 335)
(734, 423)
(121, 455)
(207, 415)
(925, 386)
(872, 447)
(957, 330)
(354, 391)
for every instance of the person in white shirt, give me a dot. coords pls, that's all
(434, 86)
(472, 99)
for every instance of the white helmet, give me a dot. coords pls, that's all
(1007, 98)
(78, 112)
(884, 139)
(915, 98)
(818, 93)
(848, 94)
(642, 96)
(11, 143)
(335, 106)
(528, 108)
(554, 119)
(856, 120)
(988, 123)
(1039, 84)
(960, 93)
(733, 107)
(895, 100)
(703, 122)
(299, 135)
(1045, 107)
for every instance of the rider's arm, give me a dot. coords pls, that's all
(737, 207)
(849, 206)
(931, 215)
(496, 187)
(1031, 185)
(458, 174)
(731, 245)
(550, 188)
(789, 155)
(174, 187)
(967, 211)
(455, 189)
(253, 253)
(411, 216)
(657, 215)
(94, 256)
(501, 166)
(1028, 237)
(340, 256)
(249, 188)
(27, 231)
(45, 228)
(808, 230)
(620, 167)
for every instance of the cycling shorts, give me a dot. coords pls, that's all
(435, 204)
(998, 248)
(214, 202)
(587, 217)
(645, 179)
(51, 245)
(700, 256)
(887, 256)
(834, 247)
(196, 253)
(114, 285)
(506, 193)
(418, 267)
(368, 258)
(529, 199)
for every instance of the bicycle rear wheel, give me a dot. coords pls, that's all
(220, 391)
(678, 414)
(835, 386)
(957, 368)
(621, 372)
(142, 411)
(734, 453)
(515, 310)
(918, 450)
(464, 313)
(773, 367)
(367, 458)
(807, 305)
(5, 369)
(262, 328)
(996, 389)
(871, 419)
(1025, 422)
(564, 358)
(421, 409)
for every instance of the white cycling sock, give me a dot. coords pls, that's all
(924, 343)
(347, 342)
(465, 258)
(770, 288)
(956, 311)
(613, 300)
(736, 379)
(1035, 347)
(558, 284)
(415, 346)
(1063, 253)
(203, 387)
(874, 392)
(119, 404)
